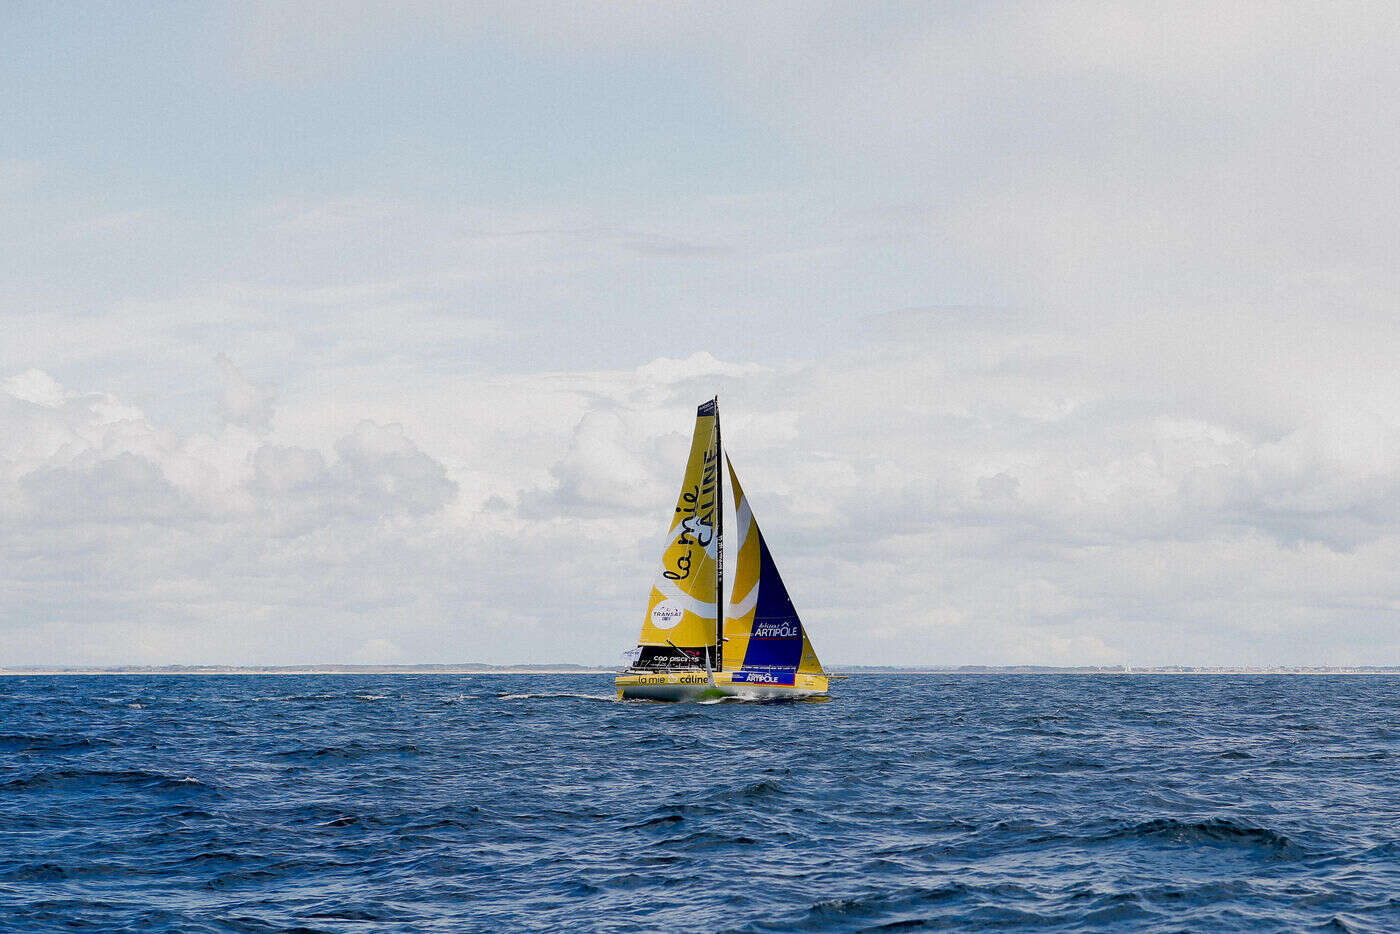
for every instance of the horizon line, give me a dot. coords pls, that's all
(573, 668)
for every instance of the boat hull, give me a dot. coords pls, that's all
(691, 686)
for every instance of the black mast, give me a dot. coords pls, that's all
(719, 545)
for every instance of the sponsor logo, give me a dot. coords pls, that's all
(696, 509)
(765, 677)
(777, 631)
(666, 615)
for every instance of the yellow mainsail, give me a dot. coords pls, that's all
(679, 629)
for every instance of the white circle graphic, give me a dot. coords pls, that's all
(666, 615)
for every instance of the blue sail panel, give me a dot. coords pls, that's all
(776, 638)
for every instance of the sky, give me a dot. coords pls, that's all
(371, 332)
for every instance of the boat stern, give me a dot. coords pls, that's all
(661, 685)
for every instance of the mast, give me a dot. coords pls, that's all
(719, 544)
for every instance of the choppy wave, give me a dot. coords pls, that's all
(72, 781)
(493, 802)
(45, 743)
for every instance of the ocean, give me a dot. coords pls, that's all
(356, 803)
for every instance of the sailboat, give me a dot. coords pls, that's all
(694, 644)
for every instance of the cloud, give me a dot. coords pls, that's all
(245, 403)
(17, 175)
(603, 471)
(123, 489)
(113, 527)
(969, 487)
(1043, 332)
(378, 652)
(1118, 163)
(387, 472)
(35, 386)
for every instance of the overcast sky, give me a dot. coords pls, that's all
(373, 331)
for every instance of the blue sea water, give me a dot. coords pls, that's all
(479, 802)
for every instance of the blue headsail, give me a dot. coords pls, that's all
(775, 639)
(763, 634)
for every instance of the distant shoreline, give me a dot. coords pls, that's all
(315, 670)
(466, 669)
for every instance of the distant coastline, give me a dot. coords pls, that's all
(463, 669)
(562, 669)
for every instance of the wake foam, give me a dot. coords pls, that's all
(558, 695)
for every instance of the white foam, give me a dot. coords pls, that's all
(543, 694)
